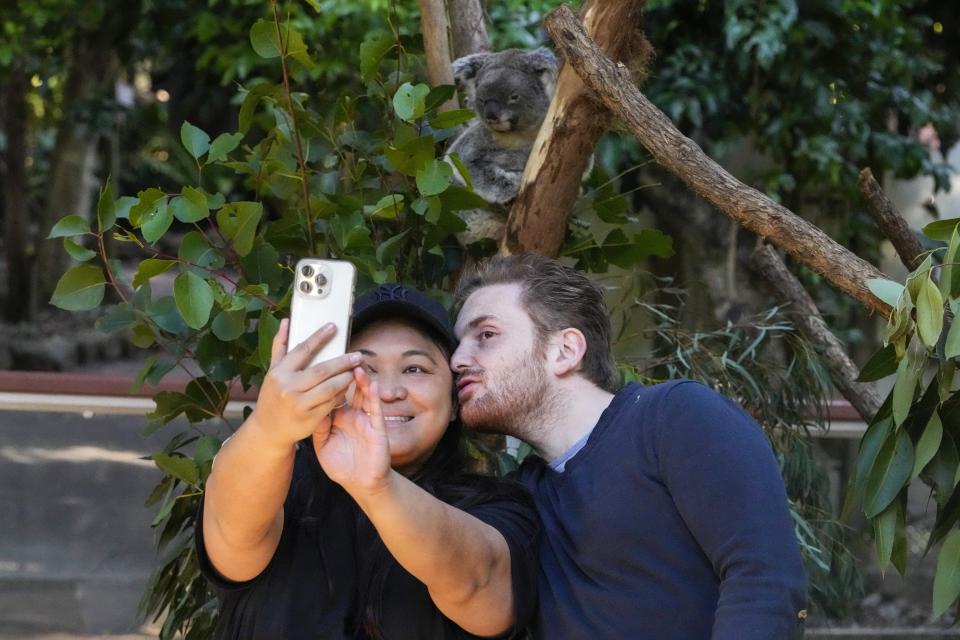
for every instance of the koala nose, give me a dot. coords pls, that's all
(491, 111)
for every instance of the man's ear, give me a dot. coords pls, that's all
(465, 71)
(567, 350)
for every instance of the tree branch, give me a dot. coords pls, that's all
(806, 317)
(889, 220)
(681, 156)
(570, 131)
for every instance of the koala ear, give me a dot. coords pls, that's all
(465, 71)
(546, 65)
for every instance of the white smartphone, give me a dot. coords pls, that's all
(322, 293)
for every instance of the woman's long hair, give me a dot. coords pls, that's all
(444, 475)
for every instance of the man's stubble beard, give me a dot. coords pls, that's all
(516, 405)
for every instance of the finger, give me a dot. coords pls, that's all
(327, 395)
(372, 406)
(279, 347)
(318, 373)
(298, 357)
(356, 402)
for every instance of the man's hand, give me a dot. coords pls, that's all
(356, 452)
(296, 400)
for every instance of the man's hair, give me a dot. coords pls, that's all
(555, 297)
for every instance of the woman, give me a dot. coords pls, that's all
(330, 520)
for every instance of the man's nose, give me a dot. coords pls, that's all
(460, 359)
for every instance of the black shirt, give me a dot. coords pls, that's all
(309, 588)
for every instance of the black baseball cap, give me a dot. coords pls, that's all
(393, 300)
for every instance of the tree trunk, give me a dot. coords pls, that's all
(573, 125)
(19, 301)
(71, 182)
(469, 27)
(436, 44)
(682, 157)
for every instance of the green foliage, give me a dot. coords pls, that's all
(914, 434)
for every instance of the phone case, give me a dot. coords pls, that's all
(323, 292)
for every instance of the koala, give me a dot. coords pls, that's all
(510, 91)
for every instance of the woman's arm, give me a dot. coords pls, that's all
(464, 562)
(250, 478)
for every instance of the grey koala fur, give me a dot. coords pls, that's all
(510, 91)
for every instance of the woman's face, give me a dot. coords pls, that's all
(415, 385)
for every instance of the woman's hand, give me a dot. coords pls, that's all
(355, 453)
(295, 400)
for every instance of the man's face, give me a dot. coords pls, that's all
(500, 364)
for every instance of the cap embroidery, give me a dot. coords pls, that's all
(391, 292)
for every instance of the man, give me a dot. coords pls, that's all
(664, 513)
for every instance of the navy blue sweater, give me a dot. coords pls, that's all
(671, 522)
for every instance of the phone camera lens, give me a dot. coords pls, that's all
(305, 287)
(307, 271)
(321, 280)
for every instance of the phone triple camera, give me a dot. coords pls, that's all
(312, 280)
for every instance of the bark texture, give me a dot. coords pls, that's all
(806, 243)
(436, 44)
(889, 221)
(570, 131)
(806, 317)
(469, 27)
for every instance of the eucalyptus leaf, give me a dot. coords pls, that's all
(950, 269)
(409, 101)
(222, 145)
(880, 365)
(77, 251)
(267, 328)
(106, 208)
(452, 118)
(194, 299)
(387, 250)
(434, 178)
(80, 288)
(905, 387)
(372, 50)
(229, 325)
(195, 140)
(929, 312)
(69, 226)
(156, 221)
(461, 169)
(190, 206)
(149, 268)
(884, 532)
(946, 581)
(198, 255)
(886, 291)
(941, 229)
(928, 445)
(177, 466)
(890, 472)
(238, 221)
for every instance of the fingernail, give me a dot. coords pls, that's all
(356, 358)
(329, 327)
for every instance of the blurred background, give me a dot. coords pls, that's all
(794, 97)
